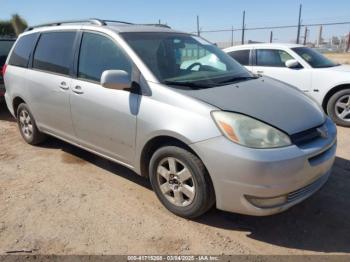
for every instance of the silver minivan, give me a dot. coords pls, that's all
(204, 135)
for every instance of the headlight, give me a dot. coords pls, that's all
(248, 131)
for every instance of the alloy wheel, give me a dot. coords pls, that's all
(26, 124)
(176, 181)
(342, 108)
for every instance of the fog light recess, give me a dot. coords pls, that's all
(267, 202)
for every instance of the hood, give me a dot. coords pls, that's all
(266, 99)
(339, 68)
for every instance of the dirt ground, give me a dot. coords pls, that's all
(342, 58)
(58, 199)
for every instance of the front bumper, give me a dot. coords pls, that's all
(294, 172)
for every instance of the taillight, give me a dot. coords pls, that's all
(3, 69)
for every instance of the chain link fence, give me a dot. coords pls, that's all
(328, 37)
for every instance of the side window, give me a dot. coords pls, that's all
(272, 57)
(22, 50)
(241, 56)
(99, 53)
(54, 52)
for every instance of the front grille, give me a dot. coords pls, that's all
(306, 190)
(306, 136)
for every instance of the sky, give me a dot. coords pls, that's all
(181, 14)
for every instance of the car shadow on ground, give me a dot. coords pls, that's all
(5, 114)
(321, 223)
(75, 155)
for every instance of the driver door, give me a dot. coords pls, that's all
(271, 62)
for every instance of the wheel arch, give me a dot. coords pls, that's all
(157, 142)
(15, 103)
(154, 144)
(331, 92)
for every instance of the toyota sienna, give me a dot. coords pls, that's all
(204, 134)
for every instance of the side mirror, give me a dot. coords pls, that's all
(292, 63)
(116, 79)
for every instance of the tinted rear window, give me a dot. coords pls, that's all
(54, 52)
(23, 48)
(241, 56)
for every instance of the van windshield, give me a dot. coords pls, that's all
(185, 60)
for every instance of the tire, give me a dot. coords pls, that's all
(339, 104)
(27, 126)
(187, 194)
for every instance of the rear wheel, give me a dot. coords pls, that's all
(181, 182)
(338, 107)
(27, 126)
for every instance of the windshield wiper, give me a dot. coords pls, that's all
(194, 85)
(187, 84)
(238, 78)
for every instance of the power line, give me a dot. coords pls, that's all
(274, 27)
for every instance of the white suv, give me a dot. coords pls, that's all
(327, 82)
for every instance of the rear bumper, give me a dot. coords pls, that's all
(240, 174)
(9, 103)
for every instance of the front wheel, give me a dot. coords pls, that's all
(338, 108)
(181, 182)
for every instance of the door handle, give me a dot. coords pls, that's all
(260, 72)
(63, 85)
(78, 90)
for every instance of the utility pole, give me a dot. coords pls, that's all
(348, 44)
(299, 25)
(305, 35)
(232, 36)
(198, 30)
(243, 28)
(319, 38)
(271, 36)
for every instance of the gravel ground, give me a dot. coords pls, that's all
(343, 58)
(58, 199)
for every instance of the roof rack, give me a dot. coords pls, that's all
(115, 21)
(91, 21)
(160, 25)
(94, 21)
